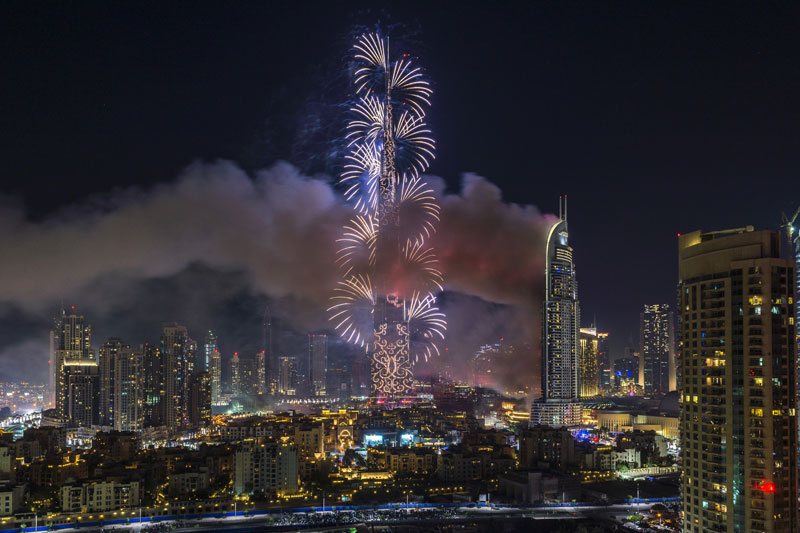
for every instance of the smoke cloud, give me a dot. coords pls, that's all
(216, 232)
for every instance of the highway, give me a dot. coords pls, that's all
(314, 519)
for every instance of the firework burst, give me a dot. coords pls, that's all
(386, 299)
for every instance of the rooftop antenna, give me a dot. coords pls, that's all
(565, 207)
(559, 208)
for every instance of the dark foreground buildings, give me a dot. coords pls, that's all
(738, 420)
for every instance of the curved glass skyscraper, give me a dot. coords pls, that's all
(559, 405)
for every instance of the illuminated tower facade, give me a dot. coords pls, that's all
(738, 421)
(236, 377)
(216, 376)
(261, 372)
(604, 365)
(317, 363)
(153, 379)
(199, 413)
(175, 354)
(657, 349)
(107, 356)
(588, 378)
(385, 302)
(209, 347)
(128, 394)
(72, 343)
(560, 332)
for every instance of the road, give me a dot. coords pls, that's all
(335, 520)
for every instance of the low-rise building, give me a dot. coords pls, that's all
(99, 496)
(11, 499)
(539, 487)
(546, 447)
(189, 480)
(404, 460)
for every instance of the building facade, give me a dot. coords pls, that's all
(72, 342)
(175, 366)
(588, 378)
(317, 363)
(269, 468)
(128, 391)
(657, 349)
(738, 415)
(107, 356)
(559, 405)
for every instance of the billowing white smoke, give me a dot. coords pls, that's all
(278, 229)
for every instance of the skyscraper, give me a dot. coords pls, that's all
(657, 349)
(248, 376)
(51, 362)
(588, 362)
(738, 421)
(604, 365)
(209, 347)
(317, 363)
(108, 354)
(153, 377)
(199, 399)
(560, 346)
(236, 383)
(287, 384)
(261, 372)
(128, 394)
(72, 341)
(216, 376)
(174, 357)
(82, 392)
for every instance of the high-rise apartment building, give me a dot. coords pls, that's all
(72, 342)
(199, 399)
(153, 383)
(588, 378)
(216, 376)
(174, 363)
(236, 383)
(738, 416)
(261, 372)
(657, 349)
(128, 395)
(107, 356)
(82, 392)
(209, 347)
(560, 327)
(287, 382)
(248, 376)
(317, 363)
(604, 365)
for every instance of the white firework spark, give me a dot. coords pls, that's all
(389, 147)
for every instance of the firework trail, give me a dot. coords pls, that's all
(385, 301)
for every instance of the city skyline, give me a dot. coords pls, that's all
(245, 285)
(653, 129)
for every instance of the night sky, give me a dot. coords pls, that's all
(654, 120)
